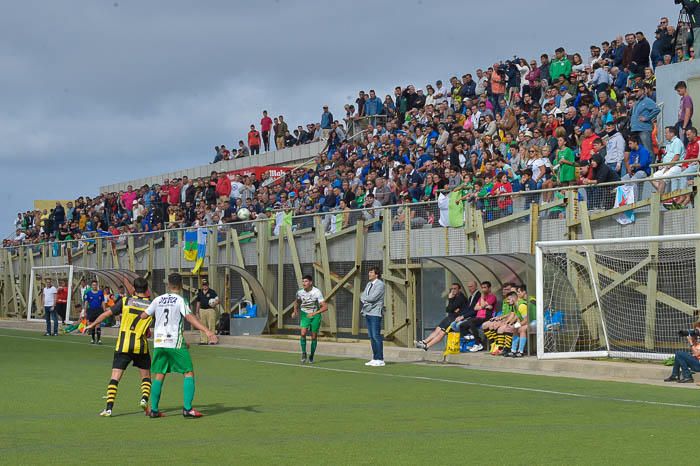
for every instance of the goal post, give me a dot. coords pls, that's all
(36, 282)
(616, 297)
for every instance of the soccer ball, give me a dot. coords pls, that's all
(243, 213)
(213, 302)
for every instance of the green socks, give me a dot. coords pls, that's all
(188, 390)
(314, 343)
(302, 342)
(155, 394)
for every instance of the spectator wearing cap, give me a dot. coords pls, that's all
(138, 210)
(441, 93)
(644, 112)
(589, 137)
(205, 308)
(564, 99)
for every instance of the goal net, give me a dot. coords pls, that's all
(621, 297)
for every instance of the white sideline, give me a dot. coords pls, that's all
(414, 377)
(463, 382)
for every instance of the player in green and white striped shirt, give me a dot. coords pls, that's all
(170, 352)
(312, 304)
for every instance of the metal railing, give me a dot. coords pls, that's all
(510, 204)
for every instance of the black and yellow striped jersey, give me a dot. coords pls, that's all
(132, 331)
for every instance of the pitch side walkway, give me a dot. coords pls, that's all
(619, 371)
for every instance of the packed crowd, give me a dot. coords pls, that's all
(515, 127)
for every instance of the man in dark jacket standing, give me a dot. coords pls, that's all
(640, 53)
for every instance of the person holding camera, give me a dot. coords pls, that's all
(685, 361)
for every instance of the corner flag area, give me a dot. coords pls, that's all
(264, 407)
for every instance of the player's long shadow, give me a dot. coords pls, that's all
(209, 410)
(219, 408)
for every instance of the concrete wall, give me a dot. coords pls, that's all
(288, 156)
(666, 78)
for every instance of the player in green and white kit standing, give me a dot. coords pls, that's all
(310, 300)
(170, 352)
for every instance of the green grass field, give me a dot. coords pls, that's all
(265, 408)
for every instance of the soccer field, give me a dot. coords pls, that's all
(265, 408)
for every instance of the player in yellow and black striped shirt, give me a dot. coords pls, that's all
(132, 343)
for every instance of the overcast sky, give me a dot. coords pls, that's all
(95, 92)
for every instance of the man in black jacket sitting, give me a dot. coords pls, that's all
(456, 306)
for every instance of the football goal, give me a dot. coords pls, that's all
(619, 297)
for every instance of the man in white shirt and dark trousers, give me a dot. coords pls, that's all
(372, 299)
(49, 298)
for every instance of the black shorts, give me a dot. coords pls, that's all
(93, 314)
(122, 360)
(446, 322)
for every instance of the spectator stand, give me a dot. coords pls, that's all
(337, 247)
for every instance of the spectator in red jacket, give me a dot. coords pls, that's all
(223, 187)
(254, 140)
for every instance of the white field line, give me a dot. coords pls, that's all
(463, 382)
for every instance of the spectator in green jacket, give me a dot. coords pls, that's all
(565, 160)
(560, 66)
